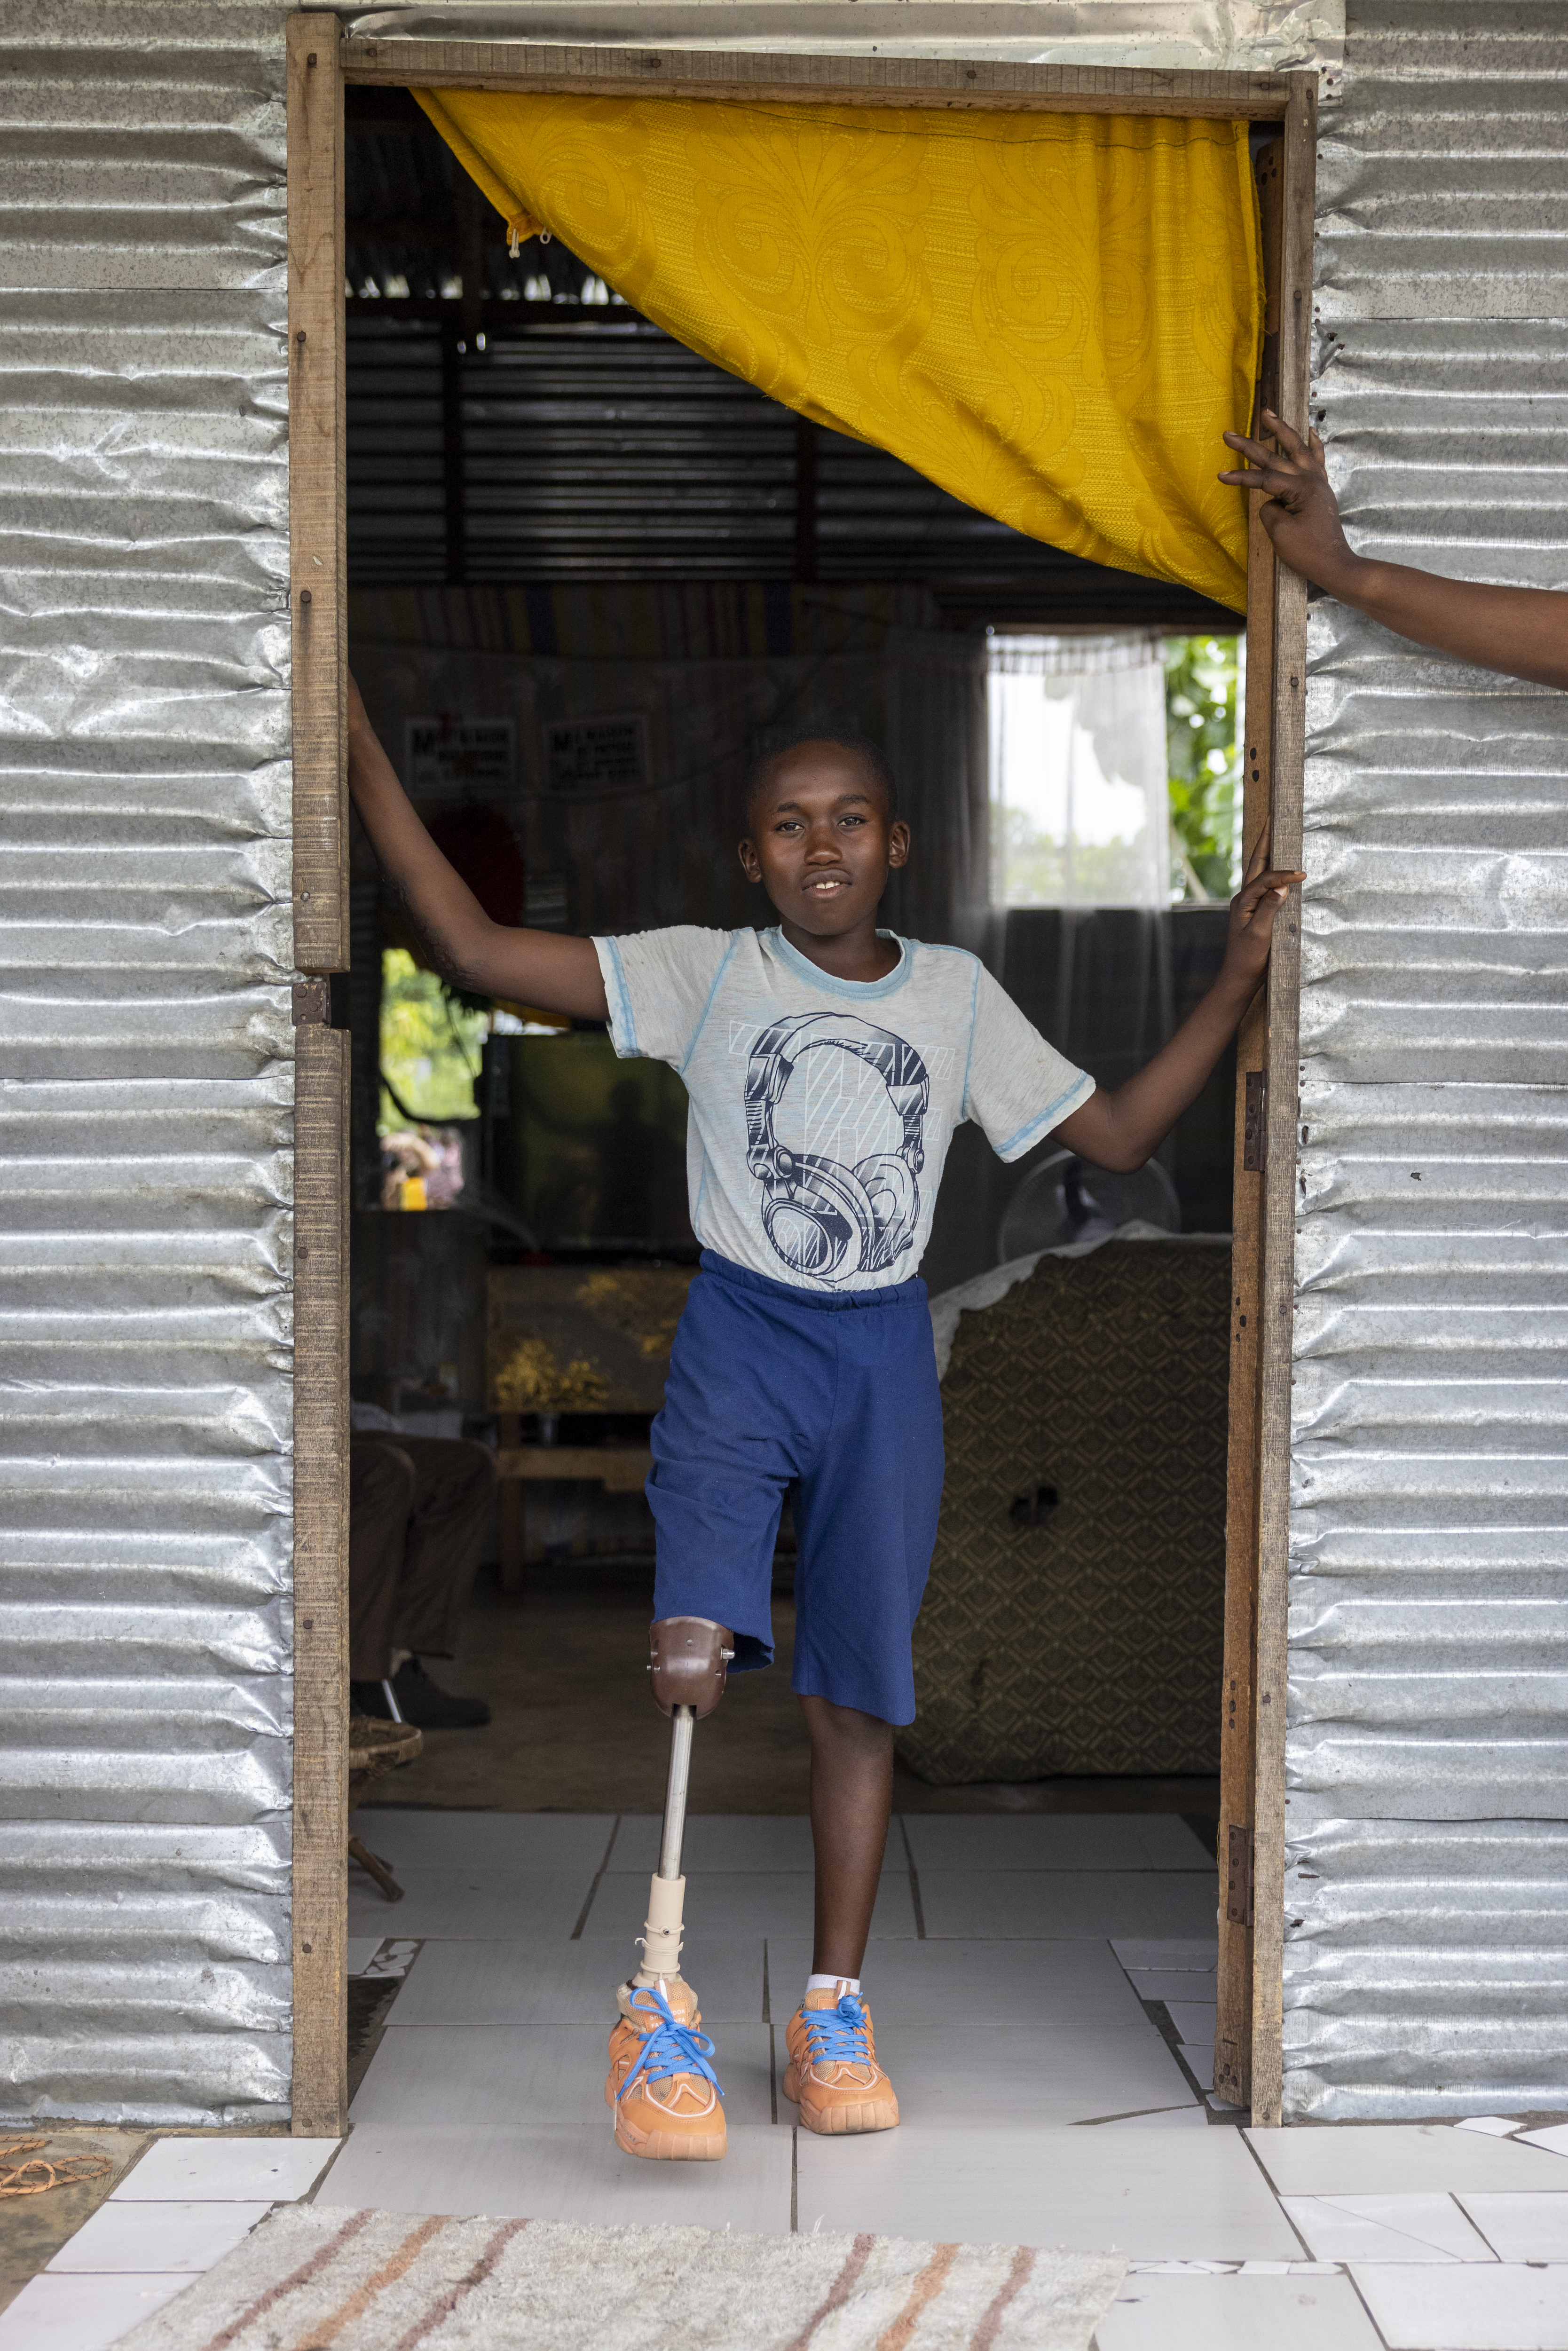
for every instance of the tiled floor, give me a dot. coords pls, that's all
(1043, 1987)
(176, 2213)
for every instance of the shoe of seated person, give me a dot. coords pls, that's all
(832, 2075)
(422, 1701)
(662, 2086)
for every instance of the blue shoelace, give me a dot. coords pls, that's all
(837, 2035)
(671, 2047)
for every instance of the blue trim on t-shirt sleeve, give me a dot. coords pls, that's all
(969, 1056)
(622, 1026)
(1053, 1115)
(708, 1008)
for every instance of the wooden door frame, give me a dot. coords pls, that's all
(321, 60)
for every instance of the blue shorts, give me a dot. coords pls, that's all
(829, 1396)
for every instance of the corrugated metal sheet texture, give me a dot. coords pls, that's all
(145, 1066)
(1427, 1954)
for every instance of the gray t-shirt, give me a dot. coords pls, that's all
(821, 1109)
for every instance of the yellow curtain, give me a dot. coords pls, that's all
(1052, 316)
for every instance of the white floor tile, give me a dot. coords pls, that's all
(1141, 2193)
(578, 2174)
(226, 2170)
(1194, 2019)
(516, 1983)
(543, 2077)
(740, 1902)
(749, 1841)
(1392, 2158)
(362, 1949)
(1521, 2226)
(1044, 1903)
(1236, 2314)
(1187, 2117)
(459, 1903)
(395, 1957)
(976, 2076)
(1423, 2225)
(1169, 1985)
(1488, 2308)
(1494, 2125)
(918, 1985)
(454, 1839)
(157, 2236)
(54, 2313)
(1182, 1955)
(1078, 1841)
(1200, 2058)
(1554, 2138)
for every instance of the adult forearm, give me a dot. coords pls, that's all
(1523, 631)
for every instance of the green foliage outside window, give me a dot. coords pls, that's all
(431, 1045)
(1203, 710)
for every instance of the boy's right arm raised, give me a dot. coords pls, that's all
(536, 967)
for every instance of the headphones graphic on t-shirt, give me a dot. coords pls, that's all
(823, 1218)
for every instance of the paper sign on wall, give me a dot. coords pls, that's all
(595, 754)
(460, 759)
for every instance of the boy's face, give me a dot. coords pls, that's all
(821, 841)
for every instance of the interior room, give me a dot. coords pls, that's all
(587, 573)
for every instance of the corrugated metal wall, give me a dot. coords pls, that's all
(1427, 1953)
(145, 1066)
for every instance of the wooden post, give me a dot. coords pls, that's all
(1276, 1303)
(320, 2100)
(1233, 2033)
(317, 501)
(316, 519)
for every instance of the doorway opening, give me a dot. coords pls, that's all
(582, 566)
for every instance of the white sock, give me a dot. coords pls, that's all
(851, 1985)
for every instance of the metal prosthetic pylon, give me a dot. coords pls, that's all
(687, 1662)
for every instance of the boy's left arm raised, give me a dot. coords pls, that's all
(1120, 1130)
(536, 967)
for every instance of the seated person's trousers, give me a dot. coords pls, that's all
(418, 1509)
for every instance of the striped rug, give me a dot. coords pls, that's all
(319, 2277)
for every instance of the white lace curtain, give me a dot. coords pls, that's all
(1080, 815)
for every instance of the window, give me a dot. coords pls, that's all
(1077, 770)
(1114, 769)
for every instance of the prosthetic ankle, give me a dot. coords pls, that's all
(687, 1660)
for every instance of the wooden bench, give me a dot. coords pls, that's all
(619, 1468)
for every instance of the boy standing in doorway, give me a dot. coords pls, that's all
(828, 1063)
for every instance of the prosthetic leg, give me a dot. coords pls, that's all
(662, 2086)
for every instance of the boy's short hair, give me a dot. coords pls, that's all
(843, 733)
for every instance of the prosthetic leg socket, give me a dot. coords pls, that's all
(688, 1658)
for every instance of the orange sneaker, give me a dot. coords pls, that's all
(667, 2096)
(833, 2076)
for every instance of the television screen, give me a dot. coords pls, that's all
(589, 1151)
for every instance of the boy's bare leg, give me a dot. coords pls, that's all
(834, 2074)
(852, 1798)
